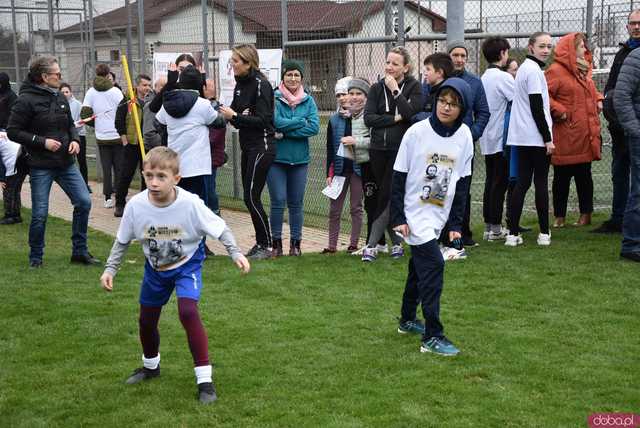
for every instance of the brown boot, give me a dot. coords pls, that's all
(277, 248)
(584, 220)
(294, 248)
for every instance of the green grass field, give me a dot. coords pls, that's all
(548, 336)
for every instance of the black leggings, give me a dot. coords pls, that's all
(130, 160)
(495, 187)
(82, 159)
(381, 162)
(562, 175)
(370, 192)
(254, 167)
(533, 162)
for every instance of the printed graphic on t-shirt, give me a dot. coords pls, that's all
(437, 177)
(165, 245)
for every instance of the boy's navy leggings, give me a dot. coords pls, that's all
(424, 286)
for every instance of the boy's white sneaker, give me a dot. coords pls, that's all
(513, 240)
(450, 254)
(544, 239)
(108, 203)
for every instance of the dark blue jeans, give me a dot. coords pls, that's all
(619, 175)
(424, 285)
(70, 180)
(286, 188)
(631, 223)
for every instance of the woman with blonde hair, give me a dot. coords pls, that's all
(251, 112)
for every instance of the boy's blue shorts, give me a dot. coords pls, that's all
(157, 286)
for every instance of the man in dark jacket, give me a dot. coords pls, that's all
(626, 102)
(619, 150)
(41, 121)
(476, 118)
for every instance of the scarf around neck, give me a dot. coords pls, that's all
(292, 99)
(583, 66)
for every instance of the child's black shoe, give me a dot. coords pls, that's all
(207, 393)
(141, 374)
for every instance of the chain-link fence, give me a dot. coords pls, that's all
(332, 38)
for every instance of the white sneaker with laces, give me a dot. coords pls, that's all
(513, 240)
(544, 239)
(498, 236)
(450, 254)
(108, 203)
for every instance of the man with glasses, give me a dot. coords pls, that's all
(41, 121)
(619, 149)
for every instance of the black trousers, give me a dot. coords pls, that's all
(82, 159)
(254, 167)
(381, 162)
(562, 176)
(466, 217)
(533, 162)
(110, 160)
(424, 286)
(11, 192)
(130, 160)
(495, 187)
(370, 192)
(198, 184)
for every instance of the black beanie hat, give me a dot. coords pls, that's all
(292, 64)
(190, 78)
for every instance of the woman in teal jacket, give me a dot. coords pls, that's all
(296, 119)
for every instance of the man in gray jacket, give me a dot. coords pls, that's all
(627, 106)
(151, 129)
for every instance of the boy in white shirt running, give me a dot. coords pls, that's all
(433, 156)
(170, 223)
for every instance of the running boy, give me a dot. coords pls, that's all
(170, 223)
(433, 156)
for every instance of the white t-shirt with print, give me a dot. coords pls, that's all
(499, 87)
(433, 164)
(104, 104)
(169, 235)
(189, 137)
(522, 128)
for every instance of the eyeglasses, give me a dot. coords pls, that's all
(444, 103)
(56, 74)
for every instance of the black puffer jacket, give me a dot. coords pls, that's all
(254, 94)
(609, 89)
(380, 111)
(38, 114)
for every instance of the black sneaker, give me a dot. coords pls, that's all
(608, 227)
(207, 393)
(84, 259)
(119, 211)
(141, 374)
(468, 242)
(253, 250)
(35, 264)
(11, 220)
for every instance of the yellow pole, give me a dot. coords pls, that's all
(132, 99)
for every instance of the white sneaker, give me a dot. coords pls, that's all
(382, 248)
(513, 240)
(498, 236)
(450, 254)
(544, 239)
(485, 235)
(108, 203)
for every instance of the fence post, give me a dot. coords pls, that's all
(142, 44)
(16, 57)
(589, 23)
(401, 36)
(284, 13)
(455, 21)
(388, 25)
(92, 44)
(205, 36)
(52, 42)
(234, 132)
(127, 6)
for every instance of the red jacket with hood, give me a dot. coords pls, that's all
(577, 138)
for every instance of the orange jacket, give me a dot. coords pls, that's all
(577, 139)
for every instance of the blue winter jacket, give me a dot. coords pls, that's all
(296, 125)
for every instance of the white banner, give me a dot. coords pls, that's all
(270, 63)
(161, 61)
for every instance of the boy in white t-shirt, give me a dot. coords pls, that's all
(499, 88)
(433, 156)
(170, 223)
